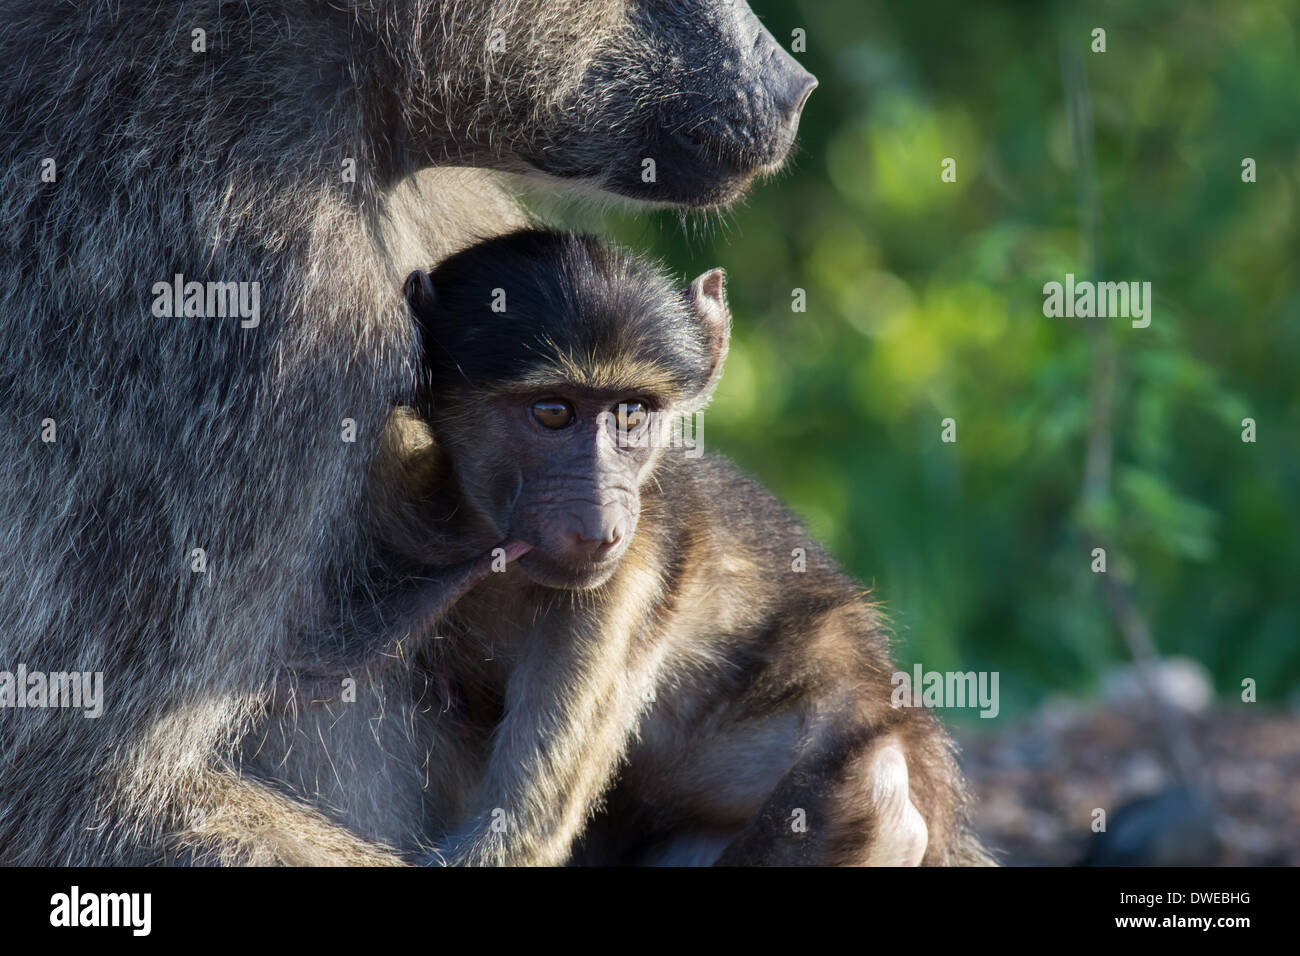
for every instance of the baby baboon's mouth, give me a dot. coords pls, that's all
(549, 572)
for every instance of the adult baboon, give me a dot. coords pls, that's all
(176, 489)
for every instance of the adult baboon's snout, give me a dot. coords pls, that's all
(784, 77)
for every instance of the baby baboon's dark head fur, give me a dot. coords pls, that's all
(698, 86)
(556, 369)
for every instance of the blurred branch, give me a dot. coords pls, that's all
(1099, 455)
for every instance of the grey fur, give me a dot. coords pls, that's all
(177, 434)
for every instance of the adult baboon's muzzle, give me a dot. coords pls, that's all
(707, 101)
(743, 118)
(782, 76)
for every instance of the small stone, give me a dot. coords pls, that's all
(1181, 682)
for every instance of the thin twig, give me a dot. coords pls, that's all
(1100, 449)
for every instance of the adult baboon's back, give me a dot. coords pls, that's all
(199, 490)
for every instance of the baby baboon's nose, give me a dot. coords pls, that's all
(581, 548)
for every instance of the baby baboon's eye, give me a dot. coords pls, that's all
(631, 415)
(553, 413)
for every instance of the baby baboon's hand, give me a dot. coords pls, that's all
(374, 636)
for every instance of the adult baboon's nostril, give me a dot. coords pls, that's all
(809, 86)
(792, 92)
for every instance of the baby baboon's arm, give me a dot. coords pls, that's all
(374, 636)
(573, 702)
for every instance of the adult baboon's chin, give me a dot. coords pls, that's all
(680, 103)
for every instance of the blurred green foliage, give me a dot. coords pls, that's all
(924, 301)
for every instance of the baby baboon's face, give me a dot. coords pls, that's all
(578, 459)
(555, 405)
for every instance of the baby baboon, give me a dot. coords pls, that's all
(652, 621)
(203, 480)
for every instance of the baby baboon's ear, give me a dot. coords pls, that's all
(418, 289)
(708, 298)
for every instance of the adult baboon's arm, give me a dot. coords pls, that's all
(235, 821)
(378, 634)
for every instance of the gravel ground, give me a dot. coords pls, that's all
(1038, 782)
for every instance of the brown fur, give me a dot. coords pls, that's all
(702, 695)
(776, 699)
